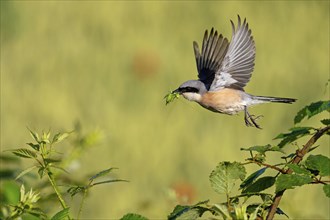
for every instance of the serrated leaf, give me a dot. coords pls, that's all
(23, 152)
(260, 184)
(37, 212)
(298, 169)
(60, 137)
(132, 216)
(224, 176)
(263, 149)
(188, 212)
(320, 163)
(41, 172)
(102, 173)
(326, 189)
(289, 181)
(34, 146)
(312, 110)
(109, 181)
(296, 132)
(170, 97)
(52, 160)
(222, 209)
(63, 214)
(252, 177)
(45, 137)
(75, 189)
(253, 211)
(25, 172)
(326, 121)
(34, 135)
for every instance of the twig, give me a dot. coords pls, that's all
(299, 156)
(274, 167)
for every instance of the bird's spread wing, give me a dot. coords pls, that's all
(210, 58)
(238, 63)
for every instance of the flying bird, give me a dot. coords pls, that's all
(223, 71)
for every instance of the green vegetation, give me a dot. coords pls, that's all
(171, 96)
(290, 172)
(47, 163)
(108, 66)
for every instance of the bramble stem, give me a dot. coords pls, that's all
(299, 156)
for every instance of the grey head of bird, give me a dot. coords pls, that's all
(192, 90)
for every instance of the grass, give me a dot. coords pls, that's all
(109, 64)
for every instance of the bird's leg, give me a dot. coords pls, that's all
(246, 117)
(250, 118)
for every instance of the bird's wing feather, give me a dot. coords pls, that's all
(208, 60)
(238, 63)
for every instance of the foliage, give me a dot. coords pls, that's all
(48, 165)
(263, 184)
(171, 96)
(260, 191)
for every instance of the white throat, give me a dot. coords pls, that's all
(192, 96)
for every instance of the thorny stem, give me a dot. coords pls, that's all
(299, 156)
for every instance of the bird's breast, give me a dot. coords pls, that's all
(226, 101)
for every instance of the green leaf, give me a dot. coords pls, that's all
(224, 176)
(170, 97)
(326, 121)
(312, 110)
(75, 189)
(298, 169)
(34, 135)
(280, 212)
(59, 168)
(326, 189)
(296, 132)
(260, 184)
(34, 146)
(132, 216)
(320, 163)
(252, 177)
(63, 214)
(184, 212)
(253, 210)
(37, 212)
(41, 172)
(263, 149)
(109, 181)
(222, 209)
(23, 152)
(60, 137)
(45, 137)
(25, 172)
(52, 160)
(188, 212)
(102, 173)
(289, 181)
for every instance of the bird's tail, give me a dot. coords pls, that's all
(274, 99)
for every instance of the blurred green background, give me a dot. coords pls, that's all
(109, 64)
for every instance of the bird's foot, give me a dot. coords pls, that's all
(250, 120)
